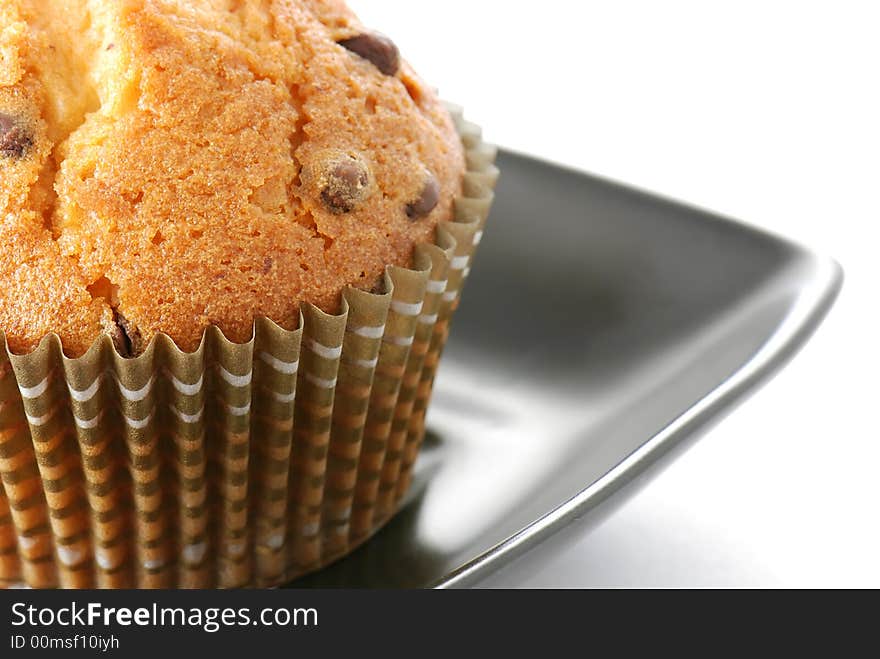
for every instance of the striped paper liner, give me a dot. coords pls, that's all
(238, 464)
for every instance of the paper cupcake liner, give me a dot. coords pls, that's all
(238, 464)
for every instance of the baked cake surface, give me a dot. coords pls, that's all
(166, 165)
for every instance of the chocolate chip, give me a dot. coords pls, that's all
(346, 184)
(126, 336)
(15, 139)
(427, 201)
(118, 338)
(376, 48)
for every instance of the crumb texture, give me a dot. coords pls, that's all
(166, 165)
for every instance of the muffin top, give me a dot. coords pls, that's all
(166, 165)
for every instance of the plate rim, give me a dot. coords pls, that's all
(820, 289)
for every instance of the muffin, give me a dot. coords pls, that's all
(234, 234)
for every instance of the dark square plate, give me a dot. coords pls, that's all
(628, 325)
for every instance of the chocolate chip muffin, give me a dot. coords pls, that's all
(233, 235)
(170, 165)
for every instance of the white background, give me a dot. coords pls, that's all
(765, 111)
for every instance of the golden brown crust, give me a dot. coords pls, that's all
(178, 174)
